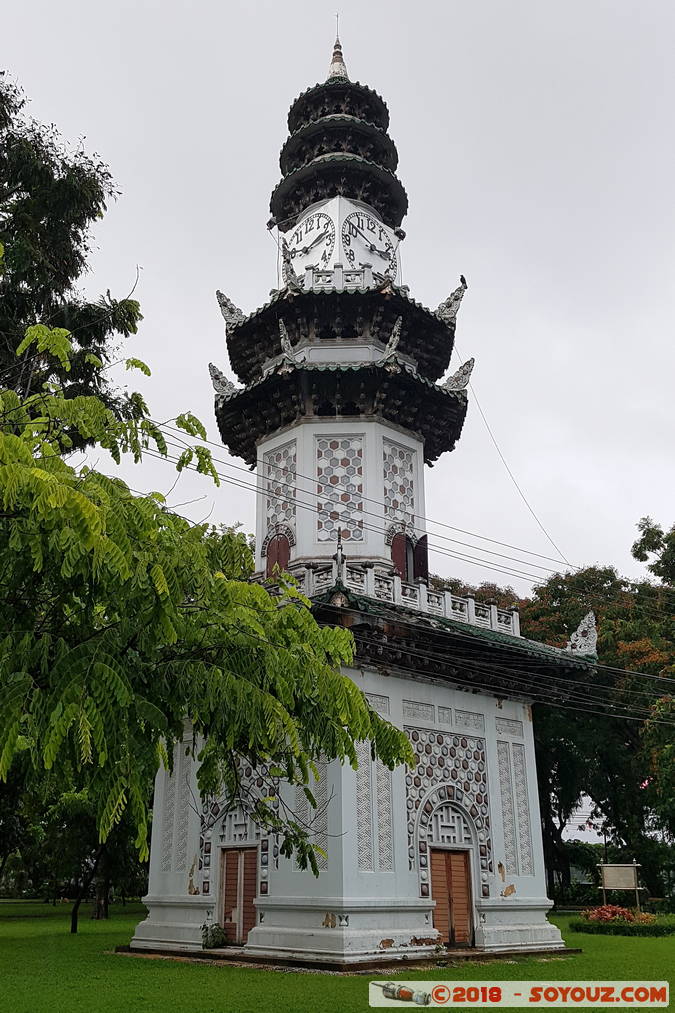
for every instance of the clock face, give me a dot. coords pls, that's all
(366, 241)
(312, 241)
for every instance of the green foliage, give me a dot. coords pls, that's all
(138, 364)
(121, 621)
(50, 196)
(654, 541)
(213, 936)
(661, 927)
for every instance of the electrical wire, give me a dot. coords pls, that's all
(369, 499)
(441, 550)
(529, 693)
(427, 520)
(238, 483)
(591, 692)
(510, 473)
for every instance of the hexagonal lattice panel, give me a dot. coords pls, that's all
(279, 473)
(339, 469)
(399, 491)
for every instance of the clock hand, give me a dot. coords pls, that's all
(371, 246)
(317, 239)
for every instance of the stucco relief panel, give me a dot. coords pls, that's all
(451, 770)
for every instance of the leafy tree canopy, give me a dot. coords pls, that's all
(121, 620)
(50, 195)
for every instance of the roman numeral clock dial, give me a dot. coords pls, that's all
(366, 241)
(312, 241)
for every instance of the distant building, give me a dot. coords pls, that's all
(342, 404)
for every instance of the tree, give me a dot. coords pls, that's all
(123, 621)
(597, 755)
(49, 198)
(13, 823)
(658, 546)
(79, 861)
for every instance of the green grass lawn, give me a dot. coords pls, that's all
(43, 969)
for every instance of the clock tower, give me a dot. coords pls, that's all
(340, 403)
(340, 406)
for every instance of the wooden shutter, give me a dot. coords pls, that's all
(278, 553)
(460, 897)
(440, 892)
(230, 880)
(421, 564)
(250, 888)
(398, 554)
(451, 889)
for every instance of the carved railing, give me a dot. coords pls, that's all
(338, 277)
(364, 579)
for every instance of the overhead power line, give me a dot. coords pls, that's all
(379, 528)
(314, 481)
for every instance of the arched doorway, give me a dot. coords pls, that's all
(238, 875)
(451, 848)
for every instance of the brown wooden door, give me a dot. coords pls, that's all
(239, 886)
(451, 889)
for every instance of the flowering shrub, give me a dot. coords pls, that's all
(615, 913)
(609, 913)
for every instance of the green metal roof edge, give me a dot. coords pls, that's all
(345, 367)
(533, 647)
(281, 293)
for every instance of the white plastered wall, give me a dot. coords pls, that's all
(372, 547)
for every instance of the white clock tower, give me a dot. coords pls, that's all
(340, 405)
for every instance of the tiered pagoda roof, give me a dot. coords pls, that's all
(329, 317)
(325, 390)
(338, 145)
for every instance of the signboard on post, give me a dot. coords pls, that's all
(619, 877)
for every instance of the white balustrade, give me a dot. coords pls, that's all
(365, 579)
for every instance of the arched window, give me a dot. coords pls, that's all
(410, 559)
(278, 554)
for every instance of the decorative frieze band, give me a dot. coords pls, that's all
(416, 709)
(509, 726)
(378, 702)
(471, 720)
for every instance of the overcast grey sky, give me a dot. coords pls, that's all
(536, 145)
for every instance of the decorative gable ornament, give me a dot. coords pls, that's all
(232, 315)
(222, 386)
(447, 310)
(584, 640)
(289, 356)
(288, 275)
(460, 380)
(388, 360)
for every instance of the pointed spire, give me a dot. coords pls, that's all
(337, 64)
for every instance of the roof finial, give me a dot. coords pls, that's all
(337, 64)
